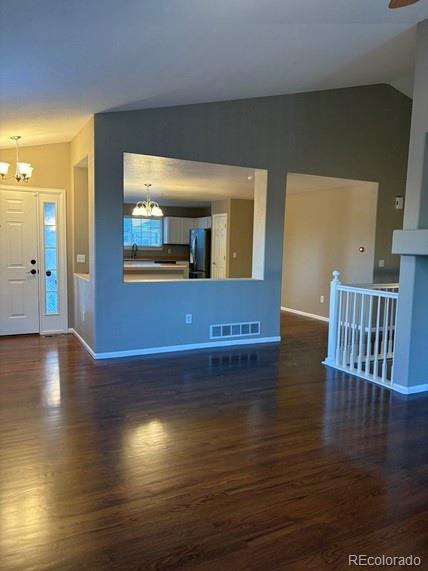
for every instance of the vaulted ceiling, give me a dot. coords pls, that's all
(61, 61)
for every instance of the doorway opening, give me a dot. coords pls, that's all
(33, 262)
(330, 224)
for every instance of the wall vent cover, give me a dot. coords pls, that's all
(227, 330)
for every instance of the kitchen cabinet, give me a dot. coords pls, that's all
(176, 229)
(187, 225)
(204, 222)
(172, 230)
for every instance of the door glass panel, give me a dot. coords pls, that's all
(50, 257)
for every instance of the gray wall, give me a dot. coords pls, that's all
(358, 133)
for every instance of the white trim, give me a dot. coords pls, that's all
(406, 390)
(55, 332)
(305, 314)
(174, 348)
(83, 342)
(31, 188)
(402, 389)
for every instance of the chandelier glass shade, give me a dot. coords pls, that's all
(148, 207)
(23, 171)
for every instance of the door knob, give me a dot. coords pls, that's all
(32, 262)
(33, 272)
(48, 273)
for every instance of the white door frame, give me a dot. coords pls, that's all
(59, 193)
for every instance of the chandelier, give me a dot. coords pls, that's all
(147, 207)
(23, 171)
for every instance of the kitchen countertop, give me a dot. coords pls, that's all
(160, 259)
(137, 265)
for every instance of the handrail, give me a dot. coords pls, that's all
(374, 292)
(377, 286)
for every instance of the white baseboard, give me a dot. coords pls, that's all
(174, 348)
(406, 390)
(305, 314)
(55, 332)
(402, 389)
(83, 342)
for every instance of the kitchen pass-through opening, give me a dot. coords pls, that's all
(189, 220)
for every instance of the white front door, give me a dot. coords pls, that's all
(219, 246)
(19, 283)
(33, 262)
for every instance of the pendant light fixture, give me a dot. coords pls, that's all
(23, 171)
(148, 207)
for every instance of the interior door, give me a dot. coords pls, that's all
(19, 295)
(219, 246)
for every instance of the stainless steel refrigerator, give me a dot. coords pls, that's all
(200, 253)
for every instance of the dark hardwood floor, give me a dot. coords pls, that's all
(255, 458)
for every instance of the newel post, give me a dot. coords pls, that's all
(333, 318)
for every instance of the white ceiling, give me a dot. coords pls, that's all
(176, 182)
(189, 183)
(61, 61)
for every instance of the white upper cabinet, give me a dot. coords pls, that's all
(187, 225)
(176, 229)
(172, 230)
(205, 222)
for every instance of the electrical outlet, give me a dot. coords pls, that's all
(189, 318)
(169, 250)
(381, 263)
(81, 258)
(321, 299)
(234, 255)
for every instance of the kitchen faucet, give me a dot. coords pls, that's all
(134, 250)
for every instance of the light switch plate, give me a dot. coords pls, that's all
(81, 258)
(399, 202)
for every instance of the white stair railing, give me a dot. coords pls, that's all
(361, 334)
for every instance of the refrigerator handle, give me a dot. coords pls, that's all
(195, 250)
(192, 248)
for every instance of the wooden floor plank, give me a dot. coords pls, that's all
(252, 458)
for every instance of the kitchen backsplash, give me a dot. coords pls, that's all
(167, 252)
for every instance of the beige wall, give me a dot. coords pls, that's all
(241, 238)
(81, 219)
(82, 153)
(323, 232)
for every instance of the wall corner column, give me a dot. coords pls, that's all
(411, 345)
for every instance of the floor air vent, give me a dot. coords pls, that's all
(226, 330)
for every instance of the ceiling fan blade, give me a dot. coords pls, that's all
(401, 3)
